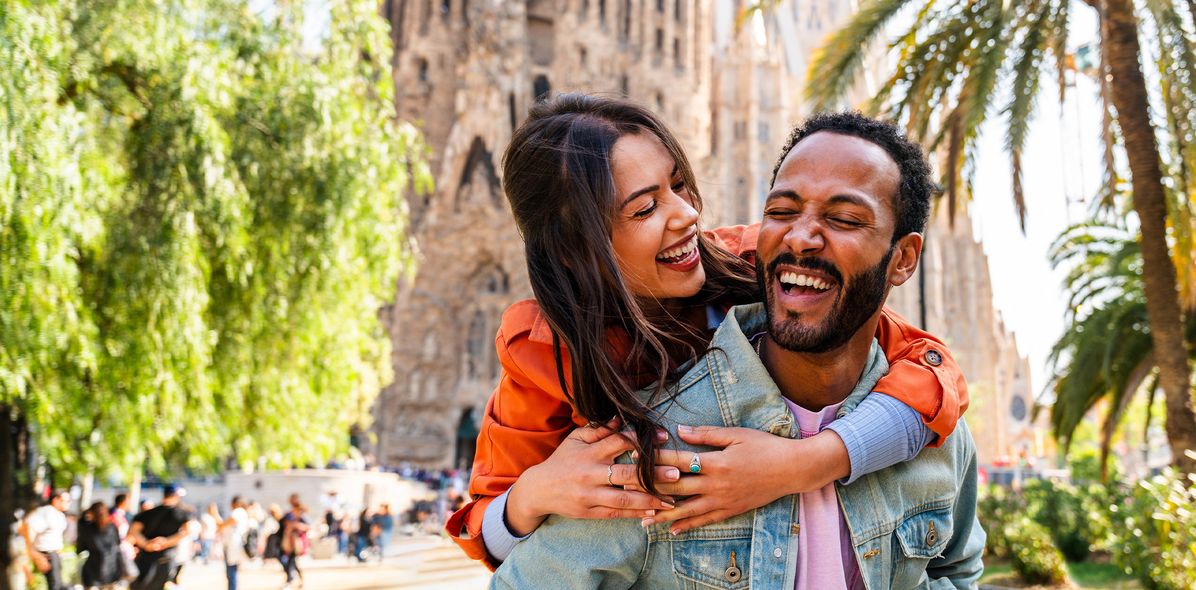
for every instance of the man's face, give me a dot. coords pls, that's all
(825, 252)
(60, 502)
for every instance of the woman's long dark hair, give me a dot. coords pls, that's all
(557, 176)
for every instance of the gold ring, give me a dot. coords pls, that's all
(610, 471)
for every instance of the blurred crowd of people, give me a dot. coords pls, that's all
(146, 548)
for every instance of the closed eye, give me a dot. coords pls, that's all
(646, 211)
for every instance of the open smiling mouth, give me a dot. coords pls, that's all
(796, 283)
(683, 256)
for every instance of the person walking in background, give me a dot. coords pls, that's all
(99, 537)
(294, 540)
(208, 522)
(44, 531)
(362, 538)
(234, 531)
(383, 527)
(120, 514)
(157, 532)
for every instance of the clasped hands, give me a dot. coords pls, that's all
(751, 468)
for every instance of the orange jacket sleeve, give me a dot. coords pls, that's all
(526, 419)
(922, 373)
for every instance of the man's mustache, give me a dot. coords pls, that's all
(807, 262)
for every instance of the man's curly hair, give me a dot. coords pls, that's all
(912, 205)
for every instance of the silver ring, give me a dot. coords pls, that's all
(610, 472)
(695, 464)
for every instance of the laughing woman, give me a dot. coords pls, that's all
(628, 292)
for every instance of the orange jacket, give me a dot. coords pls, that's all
(528, 415)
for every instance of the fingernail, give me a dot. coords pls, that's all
(662, 435)
(635, 455)
(684, 428)
(672, 474)
(666, 505)
(647, 522)
(649, 513)
(674, 532)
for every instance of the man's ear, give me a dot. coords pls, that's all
(906, 254)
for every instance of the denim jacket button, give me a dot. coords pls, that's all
(776, 553)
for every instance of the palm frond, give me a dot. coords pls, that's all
(836, 64)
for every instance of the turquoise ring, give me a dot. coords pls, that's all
(695, 464)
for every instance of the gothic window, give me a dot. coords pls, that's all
(465, 12)
(659, 103)
(584, 9)
(677, 61)
(624, 85)
(677, 10)
(540, 87)
(659, 5)
(445, 9)
(424, 17)
(511, 111)
(625, 24)
(478, 361)
(479, 182)
(421, 69)
(602, 11)
(582, 56)
(659, 40)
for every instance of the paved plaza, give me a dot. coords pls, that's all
(420, 563)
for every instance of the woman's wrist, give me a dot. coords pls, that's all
(822, 460)
(522, 513)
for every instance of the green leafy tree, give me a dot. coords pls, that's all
(200, 215)
(1106, 352)
(960, 62)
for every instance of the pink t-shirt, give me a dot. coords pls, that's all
(825, 555)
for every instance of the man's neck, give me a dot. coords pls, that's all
(817, 380)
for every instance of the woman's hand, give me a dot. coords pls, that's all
(575, 482)
(752, 469)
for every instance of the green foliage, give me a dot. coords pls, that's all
(1106, 351)
(200, 215)
(1034, 556)
(998, 508)
(1154, 534)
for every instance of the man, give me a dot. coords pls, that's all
(157, 532)
(382, 525)
(233, 531)
(841, 226)
(120, 514)
(43, 531)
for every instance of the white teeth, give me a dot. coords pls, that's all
(792, 278)
(681, 251)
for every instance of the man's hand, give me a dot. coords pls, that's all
(157, 544)
(573, 482)
(753, 468)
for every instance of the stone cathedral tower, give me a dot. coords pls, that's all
(466, 71)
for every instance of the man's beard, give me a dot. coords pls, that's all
(858, 299)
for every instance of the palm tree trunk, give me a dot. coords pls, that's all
(1119, 42)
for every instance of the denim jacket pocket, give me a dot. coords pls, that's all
(925, 535)
(718, 561)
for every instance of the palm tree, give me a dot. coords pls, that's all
(957, 59)
(1106, 353)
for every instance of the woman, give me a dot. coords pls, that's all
(294, 528)
(99, 537)
(652, 288)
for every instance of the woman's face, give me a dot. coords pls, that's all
(655, 232)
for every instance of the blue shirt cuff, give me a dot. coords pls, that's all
(499, 539)
(879, 433)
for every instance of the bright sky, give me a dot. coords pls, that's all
(1063, 168)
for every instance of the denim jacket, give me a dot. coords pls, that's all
(912, 525)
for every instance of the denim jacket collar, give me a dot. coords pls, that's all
(743, 388)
